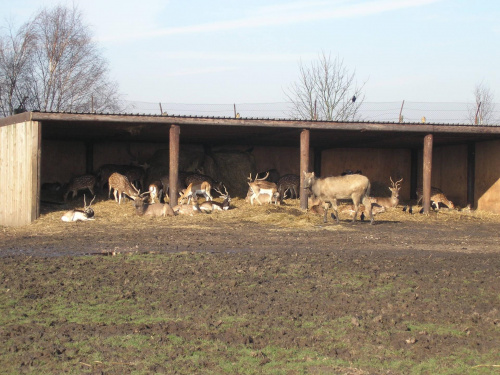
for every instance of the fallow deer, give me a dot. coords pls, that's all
(261, 186)
(121, 185)
(198, 178)
(192, 191)
(209, 206)
(437, 196)
(393, 200)
(143, 208)
(186, 209)
(80, 215)
(156, 191)
(289, 182)
(86, 181)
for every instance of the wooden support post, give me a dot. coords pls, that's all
(471, 172)
(427, 172)
(304, 166)
(173, 175)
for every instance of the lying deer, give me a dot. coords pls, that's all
(121, 185)
(186, 209)
(195, 190)
(261, 186)
(143, 208)
(393, 200)
(209, 206)
(80, 215)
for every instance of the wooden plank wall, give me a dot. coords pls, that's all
(20, 154)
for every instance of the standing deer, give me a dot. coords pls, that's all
(86, 181)
(437, 196)
(393, 201)
(80, 215)
(192, 191)
(121, 185)
(261, 186)
(354, 186)
(156, 191)
(289, 182)
(198, 178)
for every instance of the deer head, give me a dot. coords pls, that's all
(89, 212)
(396, 186)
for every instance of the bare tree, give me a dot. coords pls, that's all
(484, 109)
(326, 90)
(16, 50)
(62, 68)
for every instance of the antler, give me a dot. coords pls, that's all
(397, 184)
(261, 179)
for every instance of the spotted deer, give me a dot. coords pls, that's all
(155, 191)
(291, 183)
(198, 178)
(86, 181)
(260, 186)
(437, 196)
(80, 215)
(393, 200)
(121, 185)
(192, 191)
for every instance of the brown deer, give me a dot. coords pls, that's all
(261, 186)
(198, 178)
(354, 186)
(143, 208)
(121, 185)
(86, 181)
(289, 182)
(437, 196)
(192, 191)
(393, 200)
(80, 215)
(186, 209)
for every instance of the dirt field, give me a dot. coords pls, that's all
(252, 290)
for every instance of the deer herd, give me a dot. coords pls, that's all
(126, 182)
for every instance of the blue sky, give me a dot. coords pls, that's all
(210, 52)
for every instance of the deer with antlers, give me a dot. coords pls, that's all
(260, 186)
(393, 200)
(209, 206)
(80, 215)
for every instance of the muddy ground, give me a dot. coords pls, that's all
(361, 298)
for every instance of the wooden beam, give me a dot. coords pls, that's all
(173, 176)
(427, 172)
(304, 165)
